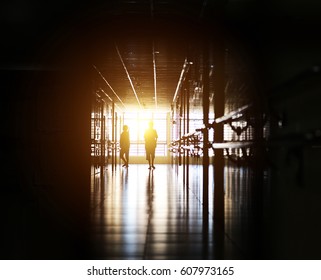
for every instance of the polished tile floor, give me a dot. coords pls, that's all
(137, 213)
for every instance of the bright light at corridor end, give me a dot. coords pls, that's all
(138, 121)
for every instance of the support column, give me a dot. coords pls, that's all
(102, 144)
(187, 131)
(113, 137)
(102, 134)
(205, 131)
(205, 145)
(219, 103)
(184, 133)
(180, 129)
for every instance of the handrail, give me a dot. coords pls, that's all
(233, 145)
(196, 146)
(232, 116)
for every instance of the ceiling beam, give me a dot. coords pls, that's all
(128, 76)
(101, 75)
(181, 78)
(109, 98)
(155, 77)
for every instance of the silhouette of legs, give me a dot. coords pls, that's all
(125, 157)
(150, 157)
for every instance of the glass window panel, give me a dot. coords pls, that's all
(138, 123)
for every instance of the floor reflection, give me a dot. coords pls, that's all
(150, 214)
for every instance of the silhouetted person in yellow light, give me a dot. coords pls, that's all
(124, 145)
(150, 137)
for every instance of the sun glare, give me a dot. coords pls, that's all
(138, 122)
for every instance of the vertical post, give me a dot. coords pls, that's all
(205, 101)
(102, 134)
(180, 128)
(219, 103)
(94, 128)
(184, 133)
(218, 138)
(187, 131)
(102, 155)
(107, 133)
(205, 122)
(169, 131)
(113, 137)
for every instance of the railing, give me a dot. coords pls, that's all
(237, 151)
(191, 142)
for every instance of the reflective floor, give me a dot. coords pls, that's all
(139, 213)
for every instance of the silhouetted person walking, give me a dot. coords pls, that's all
(124, 145)
(150, 144)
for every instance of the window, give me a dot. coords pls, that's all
(138, 123)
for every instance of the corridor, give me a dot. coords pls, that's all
(143, 214)
(233, 90)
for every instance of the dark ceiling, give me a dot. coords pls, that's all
(139, 60)
(137, 48)
(140, 71)
(140, 63)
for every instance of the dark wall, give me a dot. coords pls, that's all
(291, 65)
(45, 154)
(295, 151)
